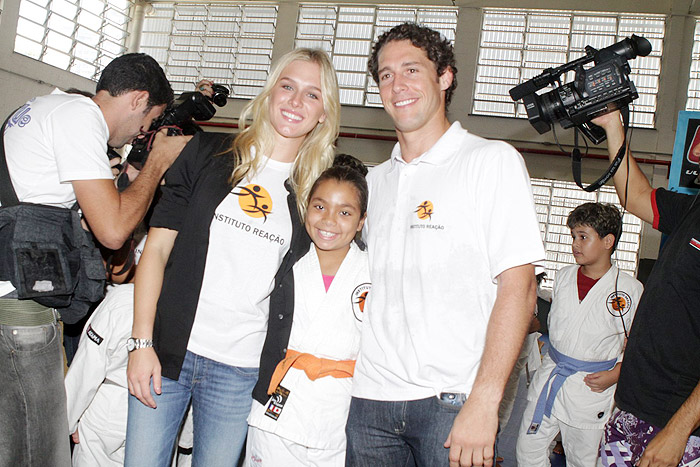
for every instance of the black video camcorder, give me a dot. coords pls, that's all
(178, 120)
(595, 91)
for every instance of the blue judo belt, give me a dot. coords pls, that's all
(565, 367)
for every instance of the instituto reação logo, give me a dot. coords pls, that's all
(424, 210)
(254, 200)
(359, 298)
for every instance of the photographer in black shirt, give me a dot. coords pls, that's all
(658, 393)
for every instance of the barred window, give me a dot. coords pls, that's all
(81, 36)
(517, 45)
(226, 42)
(346, 32)
(554, 200)
(693, 101)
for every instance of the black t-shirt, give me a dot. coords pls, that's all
(662, 360)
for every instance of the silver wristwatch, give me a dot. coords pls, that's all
(133, 344)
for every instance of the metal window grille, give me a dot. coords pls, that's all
(693, 101)
(226, 42)
(517, 45)
(347, 32)
(554, 200)
(81, 36)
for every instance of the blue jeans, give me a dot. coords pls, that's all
(34, 422)
(221, 397)
(405, 433)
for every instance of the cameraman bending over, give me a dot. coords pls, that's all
(56, 147)
(658, 393)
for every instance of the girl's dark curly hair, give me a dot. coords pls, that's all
(437, 48)
(347, 168)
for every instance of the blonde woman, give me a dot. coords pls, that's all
(217, 237)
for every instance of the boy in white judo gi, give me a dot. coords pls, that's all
(96, 387)
(593, 306)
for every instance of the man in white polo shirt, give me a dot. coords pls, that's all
(452, 236)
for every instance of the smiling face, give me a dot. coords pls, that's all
(334, 216)
(589, 248)
(296, 102)
(411, 91)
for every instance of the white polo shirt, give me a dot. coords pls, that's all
(440, 229)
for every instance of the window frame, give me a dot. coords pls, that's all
(67, 34)
(214, 49)
(357, 87)
(530, 53)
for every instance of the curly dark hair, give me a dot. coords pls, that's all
(437, 48)
(604, 218)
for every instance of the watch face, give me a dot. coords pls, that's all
(130, 344)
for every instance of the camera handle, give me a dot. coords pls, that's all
(593, 132)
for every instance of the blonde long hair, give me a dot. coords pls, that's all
(316, 152)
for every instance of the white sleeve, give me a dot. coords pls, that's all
(89, 367)
(79, 135)
(507, 210)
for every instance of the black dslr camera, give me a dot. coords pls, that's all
(595, 91)
(179, 120)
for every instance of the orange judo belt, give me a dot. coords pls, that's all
(313, 366)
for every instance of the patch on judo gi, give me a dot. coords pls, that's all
(694, 243)
(359, 298)
(618, 303)
(277, 401)
(93, 336)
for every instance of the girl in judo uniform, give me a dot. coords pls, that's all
(302, 397)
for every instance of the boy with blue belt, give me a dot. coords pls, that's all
(592, 310)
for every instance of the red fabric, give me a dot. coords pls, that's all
(584, 283)
(655, 208)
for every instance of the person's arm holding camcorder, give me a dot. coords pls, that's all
(635, 196)
(112, 215)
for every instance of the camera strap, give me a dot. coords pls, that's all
(576, 157)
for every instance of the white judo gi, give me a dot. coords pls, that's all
(96, 385)
(589, 330)
(326, 324)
